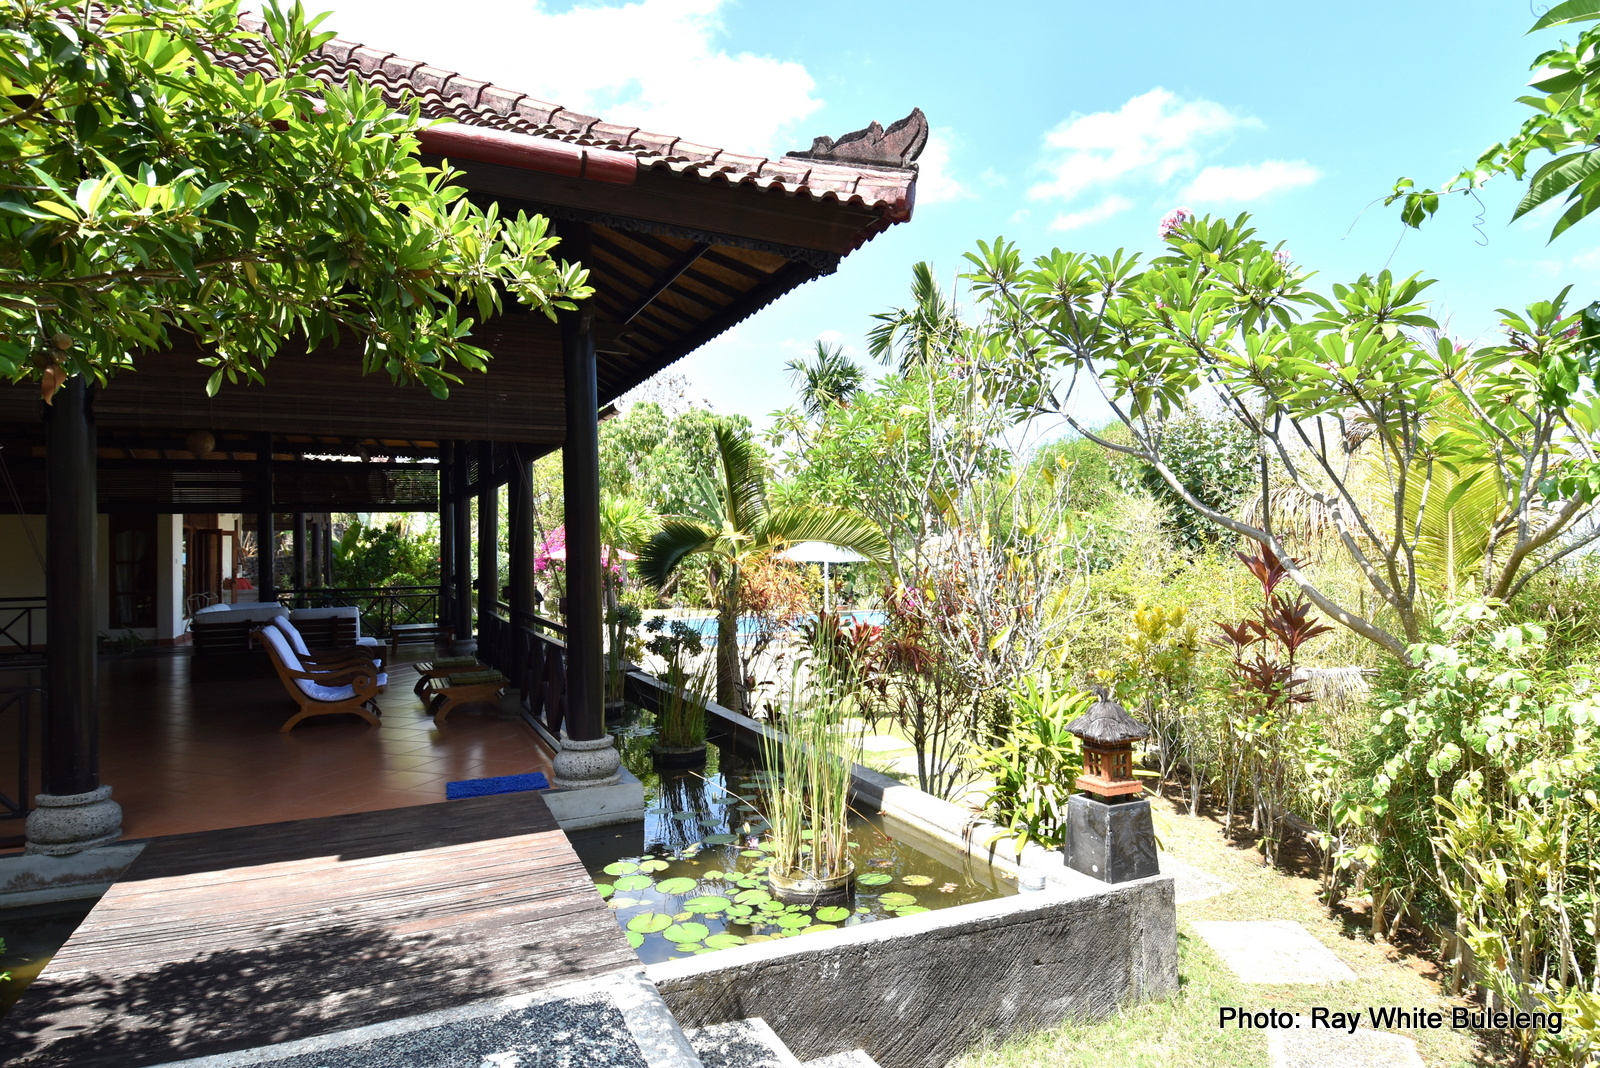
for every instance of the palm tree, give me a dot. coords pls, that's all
(733, 527)
(831, 378)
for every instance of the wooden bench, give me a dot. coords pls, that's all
(471, 688)
(418, 634)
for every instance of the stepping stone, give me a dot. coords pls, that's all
(1191, 883)
(741, 1044)
(1273, 951)
(1334, 1049)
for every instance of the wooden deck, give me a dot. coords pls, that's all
(226, 940)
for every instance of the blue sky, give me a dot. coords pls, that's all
(1064, 124)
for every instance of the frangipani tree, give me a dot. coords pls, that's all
(732, 527)
(1355, 398)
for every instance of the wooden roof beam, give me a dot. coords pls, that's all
(667, 278)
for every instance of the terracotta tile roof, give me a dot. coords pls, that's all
(446, 94)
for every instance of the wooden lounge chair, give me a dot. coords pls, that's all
(322, 693)
(445, 665)
(453, 691)
(354, 657)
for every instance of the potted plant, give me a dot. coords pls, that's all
(808, 807)
(686, 684)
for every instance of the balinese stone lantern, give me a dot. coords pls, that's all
(1110, 835)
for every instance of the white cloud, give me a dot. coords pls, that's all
(1249, 181)
(1111, 205)
(1153, 137)
(935, 183)
(663, 65)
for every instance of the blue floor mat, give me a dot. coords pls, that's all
(504, 784)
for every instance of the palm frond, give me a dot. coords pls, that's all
(678, 538)
(744, 483)
(1457, 520)
(835, 526)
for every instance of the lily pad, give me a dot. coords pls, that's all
(605, 890)
(654, 865)
(874, 878)
(910, 910)
(833, 914)
(715, 874)
(750, 852)
(680, 885)
(650, 922)
(739, 913)
(635, 939)
(793, 921)
(707, 905)
(752, 897)
(710, 821)
(621, 867)
(917, 880)
(897, 900)
(620, 903)
(724, 941)
(634, 882)
(820, 927)
(721, 839)
(686, 932)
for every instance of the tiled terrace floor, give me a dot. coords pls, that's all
(204, 754)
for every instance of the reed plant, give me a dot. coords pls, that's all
(681, 720)
(808, 779)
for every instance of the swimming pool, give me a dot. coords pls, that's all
(749, 626)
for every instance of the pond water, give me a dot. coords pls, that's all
(32, 936)
(691, 878)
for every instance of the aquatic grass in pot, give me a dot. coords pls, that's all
(808, 806)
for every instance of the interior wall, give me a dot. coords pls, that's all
(170, 624)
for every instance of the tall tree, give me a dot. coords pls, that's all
(145, 187)
(731, 528)
(829, 378)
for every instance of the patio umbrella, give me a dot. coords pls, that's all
(820, 552)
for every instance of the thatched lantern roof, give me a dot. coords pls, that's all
(1107, 723)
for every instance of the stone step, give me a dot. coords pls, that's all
(741, 1044)
(855, 1058)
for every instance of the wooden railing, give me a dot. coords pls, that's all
(381, 606)
(532, 652)
(17, 711)
(21, 626)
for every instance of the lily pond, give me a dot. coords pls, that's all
(692, 877)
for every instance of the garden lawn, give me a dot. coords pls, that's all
(1183, 1030)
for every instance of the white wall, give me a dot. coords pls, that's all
(169, 577)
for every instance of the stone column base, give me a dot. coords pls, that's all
(587, 763)
(63, 824)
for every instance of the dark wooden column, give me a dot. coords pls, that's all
(488, 545)
(447, 533)
(266, 534)
(461, 517)
(300, 533)
(580, 460)
(519, 513)
(71, 758)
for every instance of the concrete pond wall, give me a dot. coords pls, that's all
(917, 991)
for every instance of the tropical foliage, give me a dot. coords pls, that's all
(147, 188)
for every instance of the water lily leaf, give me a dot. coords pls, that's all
(650, 922)
(752, 897)
(654, 865)
(775, 907)
(793, 921)
(758, 938)
(724, 941)
(715, 873)
(897, 900)
(635, 939)
(739, 913)
(911, 910)
(621, 867)
(624, 902)
(821, 927)
(690, 947)
(634, 882)
(710, 821)
(605, 890)
(750, 852)
(679, 885)
(679, 917)
(686, 932)
(917, 880)
(709, 905)
(752, 884)
(683, 815)
(833, 914)
(721, 839)
(874, 878)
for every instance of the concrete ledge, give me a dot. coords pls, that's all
(597, 806)
(916, 990)
(36, 879)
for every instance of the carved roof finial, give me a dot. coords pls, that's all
(896, 147)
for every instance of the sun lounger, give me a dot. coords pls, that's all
(453, 691)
